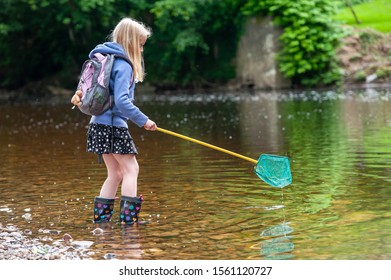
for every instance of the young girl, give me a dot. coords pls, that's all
(128, 39)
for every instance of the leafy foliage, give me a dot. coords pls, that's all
(199, 39)
(309, 40)
(41, 36)
(194, 42)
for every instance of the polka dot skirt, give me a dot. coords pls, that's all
(99, 140)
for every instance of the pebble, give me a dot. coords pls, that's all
(16, 245)
(67, 237)
(82, 244)
(97, 231)
(109, 256)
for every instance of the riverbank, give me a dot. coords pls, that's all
(364, 58)
(16, 244)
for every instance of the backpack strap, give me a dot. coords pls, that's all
(99, 56)
(100, 158)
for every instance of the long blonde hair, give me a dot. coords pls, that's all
(129, 33)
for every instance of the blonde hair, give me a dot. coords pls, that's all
(129, 34)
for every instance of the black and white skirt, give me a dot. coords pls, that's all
(106, 139)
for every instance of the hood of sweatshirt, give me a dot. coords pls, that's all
(110, 48)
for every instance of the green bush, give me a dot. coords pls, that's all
(40, 38)
(309, 40)
(193, 42)
(360, 76)
(383, 72)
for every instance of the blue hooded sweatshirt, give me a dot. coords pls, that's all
(122, 86)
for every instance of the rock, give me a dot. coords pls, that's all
(109, 256)
(371, 78)
(97, 231)
(82, 244)
(67, 237)
(15, 245)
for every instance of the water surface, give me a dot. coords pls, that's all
(203, 204)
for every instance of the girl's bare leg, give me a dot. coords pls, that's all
(129, 168)
(114, 177)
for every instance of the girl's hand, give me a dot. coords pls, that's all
(150, 125)
(76, 98)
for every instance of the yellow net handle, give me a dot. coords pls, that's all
(206, 145)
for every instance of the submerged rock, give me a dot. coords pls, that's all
(82, 244)
(97, 231)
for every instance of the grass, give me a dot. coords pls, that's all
(375, 14)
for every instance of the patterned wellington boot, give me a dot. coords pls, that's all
(103, 209)
(130, 209)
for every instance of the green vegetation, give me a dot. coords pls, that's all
(375, 14)
(194, 42)
(309, 40)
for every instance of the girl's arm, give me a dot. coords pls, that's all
(123, 94)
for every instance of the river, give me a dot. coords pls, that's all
(204, 204)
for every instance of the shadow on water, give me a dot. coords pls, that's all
(202, 204)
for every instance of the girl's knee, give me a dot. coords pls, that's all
(128, 164)
(115, 175)
(133, 167)
(136, 166)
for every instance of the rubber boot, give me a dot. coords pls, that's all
(130, 209)
(103, 209)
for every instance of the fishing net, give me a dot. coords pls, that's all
(274, 170)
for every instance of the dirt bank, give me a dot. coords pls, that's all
(365, 57)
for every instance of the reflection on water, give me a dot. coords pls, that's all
(279, 245)
(276, 241)
(277, 248)
(202, 204)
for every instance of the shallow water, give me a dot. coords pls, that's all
(203, 204)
